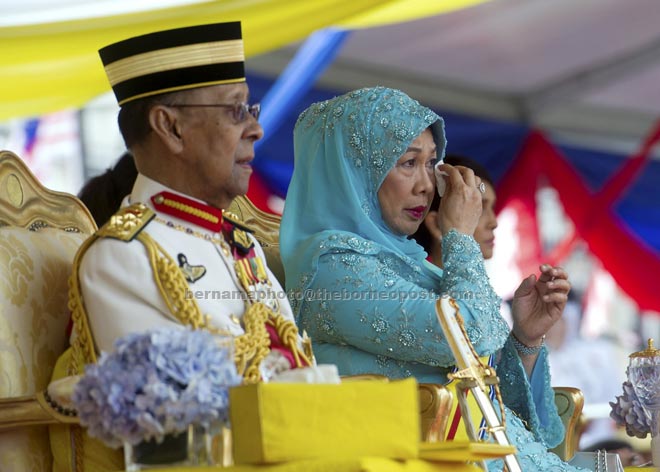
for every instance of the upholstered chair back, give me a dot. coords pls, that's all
(40, 231)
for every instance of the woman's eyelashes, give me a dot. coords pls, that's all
(413, 162)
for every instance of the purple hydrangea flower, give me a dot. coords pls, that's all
(627, 411)
(156, 383)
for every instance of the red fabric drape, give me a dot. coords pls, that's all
(629, 260)
(517, 191)
(258, 193)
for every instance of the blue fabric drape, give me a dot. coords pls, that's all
(299, 76)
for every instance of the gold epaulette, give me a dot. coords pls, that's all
(127, 222)
(236, 221)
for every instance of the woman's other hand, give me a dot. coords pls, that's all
(538, 304)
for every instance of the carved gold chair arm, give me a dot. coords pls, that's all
(435, 402)
(569, 402)
(22, 411)
(31, 410)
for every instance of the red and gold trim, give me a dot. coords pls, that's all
(189, 210)
(213, 219)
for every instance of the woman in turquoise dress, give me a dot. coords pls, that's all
(363, 182)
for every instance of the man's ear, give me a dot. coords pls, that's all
(431, 223)
(166, 123)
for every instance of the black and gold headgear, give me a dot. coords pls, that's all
(176, 59)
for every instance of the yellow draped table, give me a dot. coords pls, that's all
(298, 428)
(362, 464)
(435, 457)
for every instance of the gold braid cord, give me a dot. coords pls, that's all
(251, 348)
(288, 334)
(79, 457)
(83, 351)
(173, 285)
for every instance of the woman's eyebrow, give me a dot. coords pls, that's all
(419, 149)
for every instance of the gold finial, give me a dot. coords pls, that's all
(650, 351)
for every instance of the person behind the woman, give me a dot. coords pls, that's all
(429, 235)
(363, 182)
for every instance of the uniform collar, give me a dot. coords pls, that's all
(188, 209)
(145, 189)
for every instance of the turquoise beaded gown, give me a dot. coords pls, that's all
(365, 295)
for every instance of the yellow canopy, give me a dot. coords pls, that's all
(48, 67)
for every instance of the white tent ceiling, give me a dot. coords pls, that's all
(29, 12)
(580, 67)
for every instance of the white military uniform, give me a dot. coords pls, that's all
(118, 286)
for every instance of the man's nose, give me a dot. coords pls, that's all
(253, 130)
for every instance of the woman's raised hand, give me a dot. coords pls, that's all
(460, 207)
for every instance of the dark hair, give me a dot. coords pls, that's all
(103, 194)
(423, 237)
(133, 119)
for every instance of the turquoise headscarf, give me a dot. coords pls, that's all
(344, 148)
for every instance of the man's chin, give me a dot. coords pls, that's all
(241, 182)
(242, 189)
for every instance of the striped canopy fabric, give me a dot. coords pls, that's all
(51, 66)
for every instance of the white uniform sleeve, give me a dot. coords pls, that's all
(119, 292)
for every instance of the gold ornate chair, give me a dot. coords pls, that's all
(435, 402)
(267, 231)
(40, 231)
(569, 402)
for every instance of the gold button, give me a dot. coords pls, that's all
(235, 319)
(225, 249)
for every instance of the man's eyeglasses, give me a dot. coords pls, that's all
(240, 111)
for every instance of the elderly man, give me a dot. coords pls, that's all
(172, 255)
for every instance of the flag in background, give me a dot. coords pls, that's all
(50, 146)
